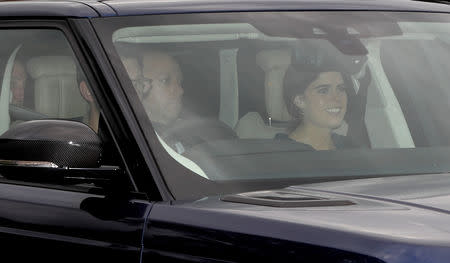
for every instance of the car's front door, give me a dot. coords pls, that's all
(42, 78)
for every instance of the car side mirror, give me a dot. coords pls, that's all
(53, 151)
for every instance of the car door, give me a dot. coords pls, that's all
(41, 71)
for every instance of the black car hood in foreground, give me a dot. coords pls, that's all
(394, 219)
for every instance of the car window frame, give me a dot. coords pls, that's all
(64, 27)
(138, 158)
(167, 180)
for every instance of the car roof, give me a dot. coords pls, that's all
(96, 8)
(134, 7)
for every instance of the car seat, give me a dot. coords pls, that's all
(274, 63)
(56, 87)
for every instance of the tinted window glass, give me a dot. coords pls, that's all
(288, 97)
(41, 79)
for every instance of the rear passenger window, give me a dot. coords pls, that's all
(41, 79)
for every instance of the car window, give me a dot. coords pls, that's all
(293, 96)
(41, 79)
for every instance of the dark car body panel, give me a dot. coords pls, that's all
(84, 225)
(391, 230)
(424, 191)
(90, 9)
(161, 7)
(45, 9)
(87, 226)
(102, 8)
(398, 219)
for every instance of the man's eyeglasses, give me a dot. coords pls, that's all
(141, 82)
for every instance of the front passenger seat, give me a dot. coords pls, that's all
(274, 64)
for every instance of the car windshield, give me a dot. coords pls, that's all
(285, 98)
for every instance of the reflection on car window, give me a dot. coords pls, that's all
(337, 96)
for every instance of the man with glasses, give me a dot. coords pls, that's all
(158, 85)
(161, 88)
(161, 93)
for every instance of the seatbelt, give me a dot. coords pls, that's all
(356, 114)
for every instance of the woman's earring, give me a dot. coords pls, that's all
(299, 102)
(298, 105)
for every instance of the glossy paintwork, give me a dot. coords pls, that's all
(136, 7)
(102, 9)
(45, 9)
(39, 218)
(90, 9)
(410, 225)
(427, 191)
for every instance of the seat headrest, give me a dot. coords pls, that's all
(51, 66)
(274, 63)
(56, 89)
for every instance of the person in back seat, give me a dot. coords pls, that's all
(318, 102)
(18, 83)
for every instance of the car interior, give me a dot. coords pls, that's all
(237, 80)
(51, 86)
(240, 83)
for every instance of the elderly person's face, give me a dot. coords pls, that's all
(162, 92)
(18, 80)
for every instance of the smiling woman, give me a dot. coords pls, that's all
(318, 102)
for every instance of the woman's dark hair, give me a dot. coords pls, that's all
(296, 81)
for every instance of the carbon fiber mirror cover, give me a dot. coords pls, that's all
(65, 143)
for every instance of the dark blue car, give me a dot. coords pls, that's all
(225, 131)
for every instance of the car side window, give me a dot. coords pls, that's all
(41, 79)
(42, 83)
